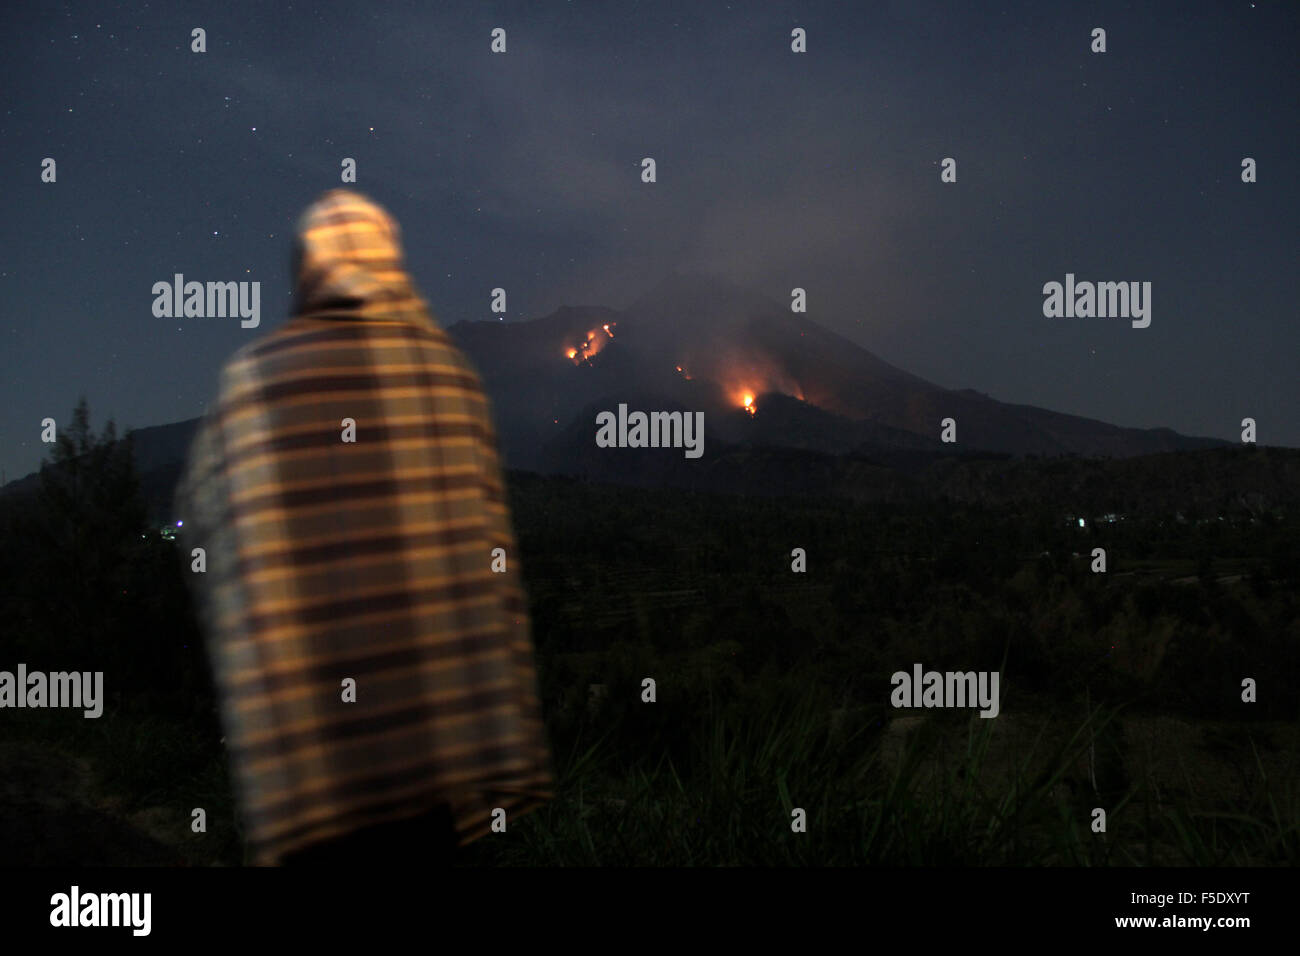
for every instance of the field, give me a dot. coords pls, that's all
(1120, 690)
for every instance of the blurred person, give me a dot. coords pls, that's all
(371, 560)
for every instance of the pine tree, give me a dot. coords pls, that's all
(89, 522)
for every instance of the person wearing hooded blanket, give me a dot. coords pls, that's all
(370, 645)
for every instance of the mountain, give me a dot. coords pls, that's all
(701, 343)
(696, 343)
(159, 451)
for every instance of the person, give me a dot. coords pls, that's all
(358, 579)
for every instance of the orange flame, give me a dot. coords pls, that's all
(591, 345)
(743, 386)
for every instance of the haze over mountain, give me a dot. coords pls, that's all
(697, 343)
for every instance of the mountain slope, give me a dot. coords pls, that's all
(697, 343)
(707, 345)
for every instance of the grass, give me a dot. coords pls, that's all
(959, 791)
(147, 773)
(730, 803)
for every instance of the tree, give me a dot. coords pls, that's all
(84, 536)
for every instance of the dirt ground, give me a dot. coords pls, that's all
(53, 813)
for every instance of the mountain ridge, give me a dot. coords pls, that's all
(697, 342)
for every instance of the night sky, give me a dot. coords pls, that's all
(775, 169)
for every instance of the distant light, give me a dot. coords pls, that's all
(179, 523)
(1081, 523)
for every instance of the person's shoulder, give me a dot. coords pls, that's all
(293, 333)
(437, 341)
(245, 363)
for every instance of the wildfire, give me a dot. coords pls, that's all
(741, 380)
(744, 388)
(591, 345)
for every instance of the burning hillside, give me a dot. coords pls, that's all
(744, 383)
(709, 346)
(592, 344)
(742, 380)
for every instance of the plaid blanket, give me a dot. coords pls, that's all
(368, 560)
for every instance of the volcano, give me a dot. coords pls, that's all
(774, 387)
(761, 374)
